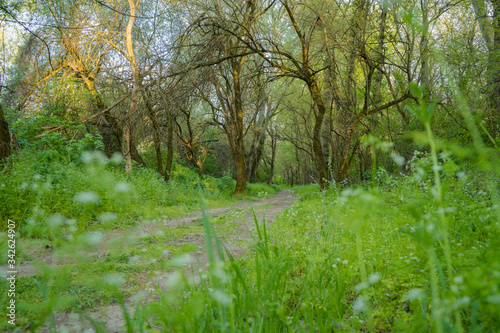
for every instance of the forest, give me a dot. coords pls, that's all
(250, 165)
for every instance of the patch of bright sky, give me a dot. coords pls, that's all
(11, 39)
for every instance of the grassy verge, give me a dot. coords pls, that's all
(357, 260)
(99, 194)
(66, 213)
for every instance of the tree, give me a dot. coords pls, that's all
(70, 43)
(135, 85)
(226, 51)
(190, 125)
(300, 65)
(5, 147)
(7, 9)
(271, 130)
(266, 99)
(170, 131)
(490, 29)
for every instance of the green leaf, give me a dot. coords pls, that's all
(416, 90)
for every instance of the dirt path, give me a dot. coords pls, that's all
(235, 227)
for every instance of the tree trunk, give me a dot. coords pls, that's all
(255, 155)
(119, 133)
(485, 25)
(377, 77)
(239, 133)
(355, 35)
(297, 173)
(494, 65)
(273, 159)
(241, 171)
(109, 128)
(316, 139)
(325, 135)
(490, 30)
(135, 88)
(170, 147)
(343, 166)
(156, 133)
(5, 148)
(424, 50)
(111, 143)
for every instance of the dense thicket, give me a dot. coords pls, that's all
(122, 115)
(258, 89)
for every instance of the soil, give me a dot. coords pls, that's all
(238, 242)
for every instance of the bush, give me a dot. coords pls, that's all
(37, 186)
(260, 189)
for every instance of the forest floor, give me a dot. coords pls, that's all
(235, 226)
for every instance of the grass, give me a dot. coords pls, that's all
(100, 195)
(305, 190)
(415, 252)
(410, 253)
(354, 260)
(228, 223)
(64, 210)
(261, 190)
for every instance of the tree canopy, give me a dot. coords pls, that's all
(238, 86)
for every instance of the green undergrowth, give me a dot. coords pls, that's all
(359, 260)
(42, 194)
(414, 252)
(366, 258)
(102, 229)
(306, 190)
(86, 274)
(74, 287)
(262, 190)
(404, 253)
(355, 259)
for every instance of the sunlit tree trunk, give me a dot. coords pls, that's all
(135, 88)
